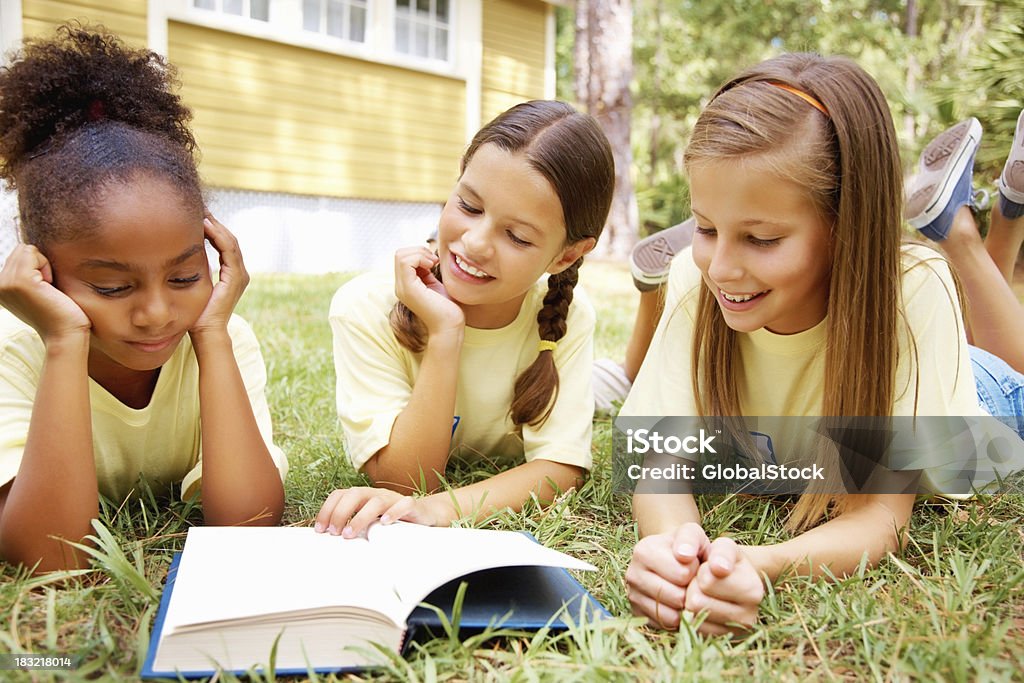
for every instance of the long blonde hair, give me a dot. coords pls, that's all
(848, 161)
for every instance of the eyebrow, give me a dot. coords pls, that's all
(748, 222)
(126, 267)
(517, 221)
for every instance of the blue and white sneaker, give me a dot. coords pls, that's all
(1011, 180)
(943, 182)
(651, 258)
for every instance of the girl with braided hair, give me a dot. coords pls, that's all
(466, 353)
(120, 359)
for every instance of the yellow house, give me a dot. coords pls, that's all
(330, 130)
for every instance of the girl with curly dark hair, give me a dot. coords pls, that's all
(120, 359)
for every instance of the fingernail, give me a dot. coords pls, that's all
(207, 221)
(347, 532)
(686, 550)
(723, 563)
(385, 519)
(318, 527)
(332, 530)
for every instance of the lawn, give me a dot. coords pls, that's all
(949, 606)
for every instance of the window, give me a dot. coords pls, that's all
(344, 19)
(253, 9)
(422, 28)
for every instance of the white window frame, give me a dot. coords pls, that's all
(246, 9)
(285, 26)
(368, 6)
(432, 23)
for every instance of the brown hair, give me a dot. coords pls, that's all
(80, 112)
(570, 150)
(848, 161)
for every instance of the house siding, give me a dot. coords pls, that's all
(126, 18)
(514, 49)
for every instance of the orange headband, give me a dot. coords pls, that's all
(802, 95)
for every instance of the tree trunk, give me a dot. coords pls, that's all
(604, 71)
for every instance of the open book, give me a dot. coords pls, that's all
(328, 603)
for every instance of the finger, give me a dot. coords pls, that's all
(346, 503)
(655, 554)
(642, 582)
(403, 509)
(366, 515)
(723, 612)
(323, 518)
(658, 615)
(690, 542)
(723, 554)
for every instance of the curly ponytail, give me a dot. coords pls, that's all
(81, 111)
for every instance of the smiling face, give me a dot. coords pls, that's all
(500, 231)
(141, 277)
(762, 246)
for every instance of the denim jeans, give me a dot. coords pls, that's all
(1000, 389)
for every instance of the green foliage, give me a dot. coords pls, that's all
(963, 59)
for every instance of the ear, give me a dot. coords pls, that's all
(571, 254)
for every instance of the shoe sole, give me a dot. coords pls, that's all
(942, 163)
(1015, 157)
(652, 256)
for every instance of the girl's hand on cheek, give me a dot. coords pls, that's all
(424, 294)
(26, 289)
(662, 569)
(728, 587)
(349, 512)
(232, 281)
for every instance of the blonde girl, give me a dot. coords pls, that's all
(120, 359)
(798, 299)
(466, 353)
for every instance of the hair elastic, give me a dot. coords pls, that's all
(545, 345)
(802, 95)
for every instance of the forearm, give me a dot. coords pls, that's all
(659, 513)
(55, 493)
(873, 527)
(509, 489)
(417, 453)
(240, 484)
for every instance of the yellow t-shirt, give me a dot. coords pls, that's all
(783, 375)
(376, 374)
(160, 443)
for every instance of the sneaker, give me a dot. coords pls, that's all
(1011, 181)
(652, 256)
(943, 183)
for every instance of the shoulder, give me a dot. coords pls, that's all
(241, 332)
(372, 292)
(925, 272)
(581, 313)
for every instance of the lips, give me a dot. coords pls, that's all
(735, 301)
(465, 270)
(153, 345)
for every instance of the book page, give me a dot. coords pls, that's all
(424, 558)
(238, 572)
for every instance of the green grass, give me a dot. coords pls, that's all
(950, 606)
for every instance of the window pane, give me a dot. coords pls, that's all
(402, 6)
(402, 35)
(259, 9)
(357, 25)
(311, 15)
(441, 43)
(233, 7)
(442, 11)
(336, 18)
(423, 8)
(421, 43)
(205, 4)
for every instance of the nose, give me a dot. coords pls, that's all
(153, 310)
(726, 262)
(477, 241)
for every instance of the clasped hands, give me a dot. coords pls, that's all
(682, 571)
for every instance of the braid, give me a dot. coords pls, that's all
(536, 387)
